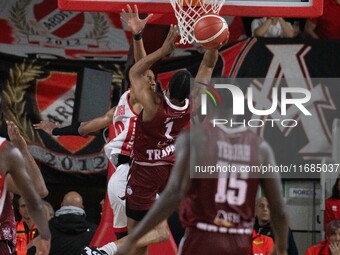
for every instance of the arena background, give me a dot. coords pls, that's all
(44, 50)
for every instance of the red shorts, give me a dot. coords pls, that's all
(144, 184)
(197, 241)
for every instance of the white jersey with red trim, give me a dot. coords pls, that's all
(124, 123)
(3, 189)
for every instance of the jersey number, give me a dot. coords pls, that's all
(119, 127)
(232, 188)
(168, 129)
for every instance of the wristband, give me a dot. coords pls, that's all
(138, 36)
(69, 130)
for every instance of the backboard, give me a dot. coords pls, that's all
(251, 8)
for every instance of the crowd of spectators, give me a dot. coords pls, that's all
(326, 27)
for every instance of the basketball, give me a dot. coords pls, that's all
(211, 30)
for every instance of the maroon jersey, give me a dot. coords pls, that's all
(7, 220)
(224, 205)
(155, 139)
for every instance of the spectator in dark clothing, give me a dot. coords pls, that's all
(70, 230)
(262, 224)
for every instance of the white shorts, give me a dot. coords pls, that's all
(116, 190)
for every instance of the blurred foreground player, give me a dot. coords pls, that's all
(14, 177)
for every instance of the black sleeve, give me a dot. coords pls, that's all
(68, 130)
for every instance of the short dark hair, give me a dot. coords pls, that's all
(179, 85)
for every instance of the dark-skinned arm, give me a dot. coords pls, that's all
(13, 163)
(80, 129)
(140, 84)
(32, 168)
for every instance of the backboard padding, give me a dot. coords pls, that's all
(252, 8)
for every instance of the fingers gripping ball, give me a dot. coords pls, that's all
(211, 31)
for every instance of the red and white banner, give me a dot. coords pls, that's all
(38, 28)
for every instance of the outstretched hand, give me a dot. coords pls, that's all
(170, 42)
(15, 136)
(131, 18)
(46, 126)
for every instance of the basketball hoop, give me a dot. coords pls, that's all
(188, 11)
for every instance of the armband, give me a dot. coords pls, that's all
(138, 36)
(68, 130)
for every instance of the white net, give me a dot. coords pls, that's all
(188, 11)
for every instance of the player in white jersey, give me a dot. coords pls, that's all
(118, 151)
(123, 117)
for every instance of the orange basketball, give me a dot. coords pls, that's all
(211, 30)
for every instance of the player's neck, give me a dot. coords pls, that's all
(132, 98)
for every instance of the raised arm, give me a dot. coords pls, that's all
(271, 185)
(170, 198)
(79, 129)
(204, 74)
(207, 66)
(140, 83)
(31, 166)
(12, 162)
(136, 25)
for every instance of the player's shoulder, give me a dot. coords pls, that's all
(8, 150)
(263, 144)
(184, 137)
(266, 153)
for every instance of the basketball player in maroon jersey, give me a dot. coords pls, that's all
(14, 178)
(158, 125)
(218, 213)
